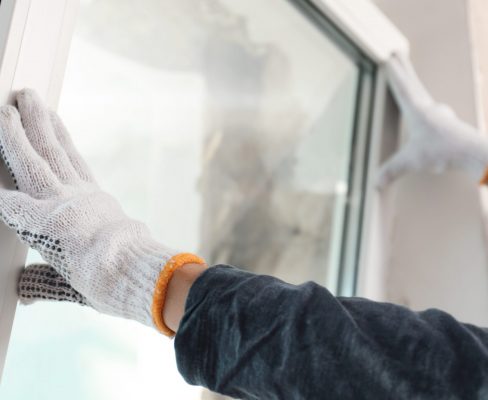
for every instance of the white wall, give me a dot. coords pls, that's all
(478, 15)
(438, 249)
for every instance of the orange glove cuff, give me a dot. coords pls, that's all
(484, 179)
(161, 288)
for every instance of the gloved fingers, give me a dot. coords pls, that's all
(29, 171)
(42, 282)
(392, 169)
(39, 130)
(17, 210)
(408, 90)
(75, 157)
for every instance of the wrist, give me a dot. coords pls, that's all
(126, 285)
(177, 293)
(473, 156)
(161, 287)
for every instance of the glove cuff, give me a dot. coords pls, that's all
(471, 154)
(133, 281)
(161, 288)
(484, 179)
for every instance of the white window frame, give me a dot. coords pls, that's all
(35, 37)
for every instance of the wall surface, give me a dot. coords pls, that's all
(478, 15)
(438, 249)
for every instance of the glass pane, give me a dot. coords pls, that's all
(229, 133)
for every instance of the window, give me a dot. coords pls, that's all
(234, 135)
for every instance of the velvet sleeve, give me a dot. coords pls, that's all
(256, 337)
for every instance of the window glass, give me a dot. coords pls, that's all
(227, 126)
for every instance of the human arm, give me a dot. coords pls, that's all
(256, 337)
(178, 289)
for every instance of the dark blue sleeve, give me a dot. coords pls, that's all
(257, 337)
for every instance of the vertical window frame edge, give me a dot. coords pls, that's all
(350, 252)
(378, 212)
(17, 70)
(357, 180)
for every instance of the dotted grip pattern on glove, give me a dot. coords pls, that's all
(43, 282)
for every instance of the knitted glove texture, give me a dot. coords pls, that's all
(99, 256)
(437, 139)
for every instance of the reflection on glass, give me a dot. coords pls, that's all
(225, 126)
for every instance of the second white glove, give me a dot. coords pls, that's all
(437, 139)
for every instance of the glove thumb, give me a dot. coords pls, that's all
(42, 282)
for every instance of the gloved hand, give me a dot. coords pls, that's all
(437, 139)
(98, 255)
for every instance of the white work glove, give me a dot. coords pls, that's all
(437, 139)
(98, 255)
